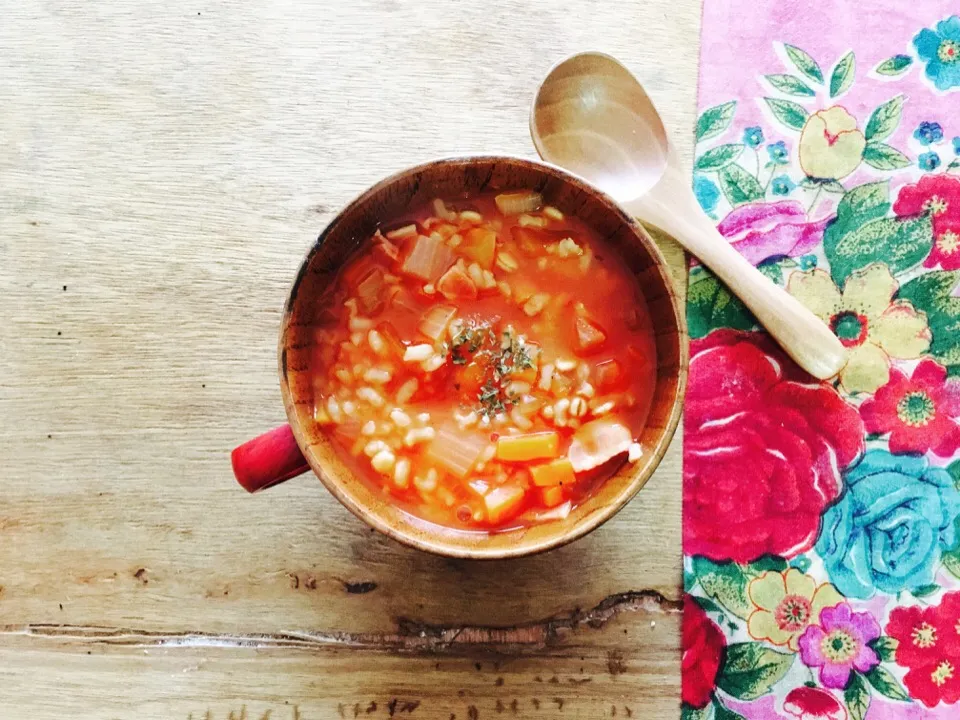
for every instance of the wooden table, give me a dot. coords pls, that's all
(163, 166)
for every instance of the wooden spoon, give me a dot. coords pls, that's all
(592, 117)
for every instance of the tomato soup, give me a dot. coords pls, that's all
(485, 362)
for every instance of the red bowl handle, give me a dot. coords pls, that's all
(268, 460)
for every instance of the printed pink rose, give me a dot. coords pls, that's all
(763, 230)
(764, 446)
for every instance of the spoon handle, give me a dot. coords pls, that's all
(672, 207)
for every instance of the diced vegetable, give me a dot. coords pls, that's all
(516, 203)
(557, 472)
(523, 290)
(429, 258)
(457, 285)
(609, 375)
(532, 446)
(597, 442)
(551, 496)
(558, 513)
(480, 245)
(370, 291)
(404, 232)
(434, 322)
(456, 450)
(405, 302)
(471, 377)
(480, 487)
(394, 345)
(589, 336)
(503, 502)
(385, 251)
(527, 371)
(529, 241)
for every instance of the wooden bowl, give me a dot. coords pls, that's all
(449, 178)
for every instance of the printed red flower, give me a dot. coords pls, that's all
(919, 412)
(949, 617)
(929, 646)
(764, 446)
(919, 636)
(811, 703)
(932, 684)
(703, 645)
(939, 195)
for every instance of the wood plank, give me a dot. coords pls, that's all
(164, 168)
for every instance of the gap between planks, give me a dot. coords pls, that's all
(410, 637)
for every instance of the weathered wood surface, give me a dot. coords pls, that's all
(163, 166)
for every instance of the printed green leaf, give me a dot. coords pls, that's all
(883, 157)
(842, 77)
(767, 562)
(858, 207)
(752, 669)
(832, 186)
(710, 305)
(708, 605)
(788, 112)
(884, 119)
(857, 697)
(739, 186)
(885, 647)
(773, 271)
(688, 712)
(899, 242)
(715, 120)
(790, 85)
(951, 561)
(954, 470)
(725, 583)
(721, 712)
(886, 684)
(931, 293)
(805, 64)
(718, 157)
(925, 590)
(896, 65)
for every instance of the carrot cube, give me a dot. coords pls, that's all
(555, 473)
(551, 496)
(532, 446)
(480, 245)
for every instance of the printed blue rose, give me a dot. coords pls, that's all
(941, 51)
(889, 529)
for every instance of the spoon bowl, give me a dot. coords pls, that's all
(594, 118)
(588, 117)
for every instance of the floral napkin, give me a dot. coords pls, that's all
(822, 519)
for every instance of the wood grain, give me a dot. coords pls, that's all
(163, 168)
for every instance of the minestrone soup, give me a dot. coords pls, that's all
(486, 362)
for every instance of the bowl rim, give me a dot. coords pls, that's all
(432, 543)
